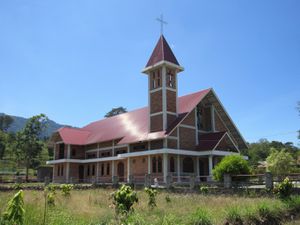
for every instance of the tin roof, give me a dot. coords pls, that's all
(162, 52)
(130, 127)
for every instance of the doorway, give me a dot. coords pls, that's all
(80, 173)
(121, 171)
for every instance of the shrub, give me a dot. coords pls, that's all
(203, 189)
(152, 197)
(279, 163)
(168, 199)
(51, 198)
(200, 217)
(233, 216)
(284, 189)
(233, 165)
(123, 199)
(51, 188)
(15, 211)
(66, 189)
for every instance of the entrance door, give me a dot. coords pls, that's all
(80, 173)
(120, 170)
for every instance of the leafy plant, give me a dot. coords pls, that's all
(201, 217)
(233, 165)
(279, 163)
(15, 211)
(66, 189)
(284, 189)
(234, 216)
(51, 199)
(152, 197)
(203, 189)
(124, 199)
(168, 199)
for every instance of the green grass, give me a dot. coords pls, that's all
(94, 207)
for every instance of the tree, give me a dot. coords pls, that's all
(233, 165)
(116, 111)
(28, 142)
(279, 163)
(298, 107)
(5, 122)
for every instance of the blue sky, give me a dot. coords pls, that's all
(75, 60)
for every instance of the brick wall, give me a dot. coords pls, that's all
(157, 144)
(170, 119)
(190, 119)
(156, 101)
(172, 143)
(171, 101)
(139, 166)
(187, 138)
(156, 123)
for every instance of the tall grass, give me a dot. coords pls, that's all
(85, 207)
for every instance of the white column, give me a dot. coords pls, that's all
(68, 151)
(212, 112)
(149, 164)
(54, 152)
(210, 164)
(112, 169)
(196, 126)
(67, 172)
(178, 168)
(128, 169)
(164, 97)
(165, 167)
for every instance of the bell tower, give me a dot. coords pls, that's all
(162, 69)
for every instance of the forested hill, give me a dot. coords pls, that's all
(19, 123)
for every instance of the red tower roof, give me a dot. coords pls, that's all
(162, 52)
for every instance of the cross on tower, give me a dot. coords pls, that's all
(162, 22)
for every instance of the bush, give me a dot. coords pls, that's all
(66, 189)
(284, 189)
(168, 199)
(123, 199)
(200, 217)
(233, 216)
(51, 198)
(15, 211)
(279, 163)
(233, 165)
(152, 197)
(203, 189)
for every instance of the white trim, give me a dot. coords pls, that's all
(171, 89)
(178, 140)
(128, 169)
(212, 115)
(159, 64)
(164, 97)
(178, 168)
(233, 142)
(149, 164)
(172, 137)
(171, 113)
(59, 142)
(68, 151)
(210, 165)
(157, 113)
(67, 172)
(187, 126)
(196, 126)
(144, 153)
(165, 167)
(219, 141)
(155, 89)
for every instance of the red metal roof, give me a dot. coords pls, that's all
(130, 127)
(162, 52)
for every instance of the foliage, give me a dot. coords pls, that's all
(284, 189)
(5, 122)
(28, 140)
(259, 151)
(233, 165)
(168, 199)
(233, 216)
(123, 199)
(51, 198)
(15, 211)
(51, 188)
(116, 111)
(152, 197)
(279, 163)
(201, 217)
(268, 214)
(66, 189)
(203, 189)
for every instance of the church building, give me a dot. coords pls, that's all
(171, 137)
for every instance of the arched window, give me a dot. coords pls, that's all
(172, 165)
(188, 165)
